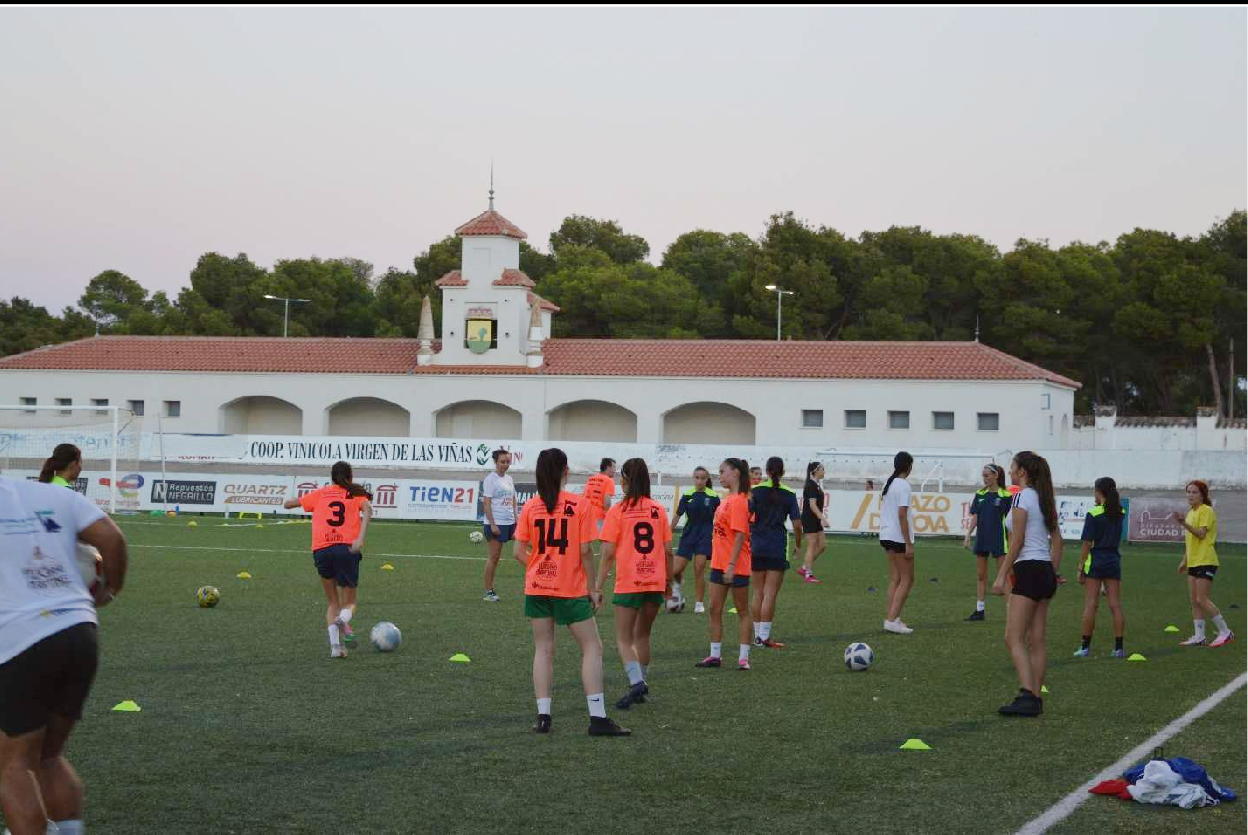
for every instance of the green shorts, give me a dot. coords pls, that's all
(638, 599)
(565, 610)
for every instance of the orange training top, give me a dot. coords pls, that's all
(335, 516)
(554, 567)
(640, 533)
(731, 518)
(597, 487)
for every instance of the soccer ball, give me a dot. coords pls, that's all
(207, 597)
(91, 565)
(675, 604)
(858, 657)
(476, 536)
(386, 636)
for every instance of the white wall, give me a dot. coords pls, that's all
(478, 419)
(708, 423)
(1151, 438)
(257, 415)
(590, 420)
(369, 416)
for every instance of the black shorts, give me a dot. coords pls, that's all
(893, 547)
(51, 677)
(739, 581)
(761, 563)
(1203, 572)
(1035, 579)
(812, 525)
(338, 563)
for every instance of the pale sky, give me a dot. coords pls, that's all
(137, 139)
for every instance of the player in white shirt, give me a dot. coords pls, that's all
(48, 649)
(897, 539)
(498, 500)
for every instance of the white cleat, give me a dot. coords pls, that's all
(337, 651)
(699, 609)
(1193, 641)
(897, 627)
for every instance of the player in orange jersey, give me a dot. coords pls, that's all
(600, 491)
(637, 536)
(554, 533)
(731, 562)
(340, 515)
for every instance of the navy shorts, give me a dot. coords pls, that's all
(338, 563)
(762, 563)
(1105, 568)
(739, 581)
(1203, 572)
(987, 554)
(506, 533)
(692, 545)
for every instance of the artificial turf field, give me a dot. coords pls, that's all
(248, 726)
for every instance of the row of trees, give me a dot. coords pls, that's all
(1146, 323)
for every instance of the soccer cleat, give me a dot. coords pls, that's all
(976, 616)
(770, 644)
(1118, 653)
(1222, 639)
(542, 725)
(743, 664)
(809, 577)
(1024, 704)
(602, 726)
(337, 651)
(699, 609)
(897, 627)
(490, 597)
(1083, 652)
(710, 661)
(802, 571)
(1194, 641)
(348, 634)
(636, 695)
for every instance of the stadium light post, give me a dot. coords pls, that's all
(286, 316)
(780, 294)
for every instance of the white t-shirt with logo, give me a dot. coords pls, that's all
(41, 587)
(1036, 535)
(501, 491)
(898, 496)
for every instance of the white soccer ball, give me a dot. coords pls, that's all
(675, 604)
(91, 566)
(858, 657)
(476, 536)
(386, 636)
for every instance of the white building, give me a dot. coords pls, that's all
(496, 374)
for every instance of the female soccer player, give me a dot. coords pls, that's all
(1100, 564)
(814, 517)
(697, 505)
(600, 491)
(1032, 563)
(756, 476)
(769, 547)
(340, 512)
(1200, 561)
(988, 511)
(498, 500)
(554, 533)
(636, 535)
(897, 539)
(64, 467)
(731, 563)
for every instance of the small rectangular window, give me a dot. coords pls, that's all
(812, 418)
(898, 420)
(989, 421)
(173, 408)
(136, 406)
(855, 418)
(30, 401)
(65, 401)
(942, 420)
(96, 401)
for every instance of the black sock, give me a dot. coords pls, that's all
(1117, 643)
(1087, 641)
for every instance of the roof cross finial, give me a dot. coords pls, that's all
(491, 185)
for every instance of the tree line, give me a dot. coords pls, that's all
(1147, 323)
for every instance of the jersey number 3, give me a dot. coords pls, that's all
(340, 514)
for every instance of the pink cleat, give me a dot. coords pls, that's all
(743, 665)
(1223, 639)
(809, 577)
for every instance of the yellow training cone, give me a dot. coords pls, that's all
(1171, 628)
(192, 524)
(243, 575)
(733, 610)
(1135, 656)
(460, 658)
(915, 745)
(387, 567)
(127, 706)
(259, 525)
(1044, 689)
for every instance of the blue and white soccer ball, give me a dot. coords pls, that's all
(858, 657)
(386, 636)
(476, 536)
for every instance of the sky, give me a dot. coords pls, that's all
(137, 139)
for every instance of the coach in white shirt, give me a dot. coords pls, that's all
(498, 500)
(48, 650)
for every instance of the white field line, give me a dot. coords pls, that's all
(1070, 802)
(287, 551)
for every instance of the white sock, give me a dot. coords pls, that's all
(1200, 628)
(744, 653)
(597, 707)
(756, 625)
(334, 639)
(764, 630)
(717, 649)
(543, 706)
(1220, 622)
(979, 605)
(633, 670)
(645, 671)
(70, 827)
(345, 615)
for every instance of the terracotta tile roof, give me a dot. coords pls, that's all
(491, 223)
(563, 357)
(544, 303)
(1139, 421)
(452, 279)
(514, 278)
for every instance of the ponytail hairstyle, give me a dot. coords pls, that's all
(549, 472)
(65, 455)
(637, 474)
(340, 474)
(1202, 486)
(1000, 471)
(902, 463)
(810, 469)
(743, 473)
(1108, 488)
(1041, 480)
(775, 471)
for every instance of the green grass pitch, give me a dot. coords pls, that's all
(248, 726)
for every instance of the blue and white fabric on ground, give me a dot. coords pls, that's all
(1175, 782)
(1189, 772)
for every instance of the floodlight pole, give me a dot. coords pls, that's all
(780, 294)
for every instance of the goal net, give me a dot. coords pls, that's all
(110, 440)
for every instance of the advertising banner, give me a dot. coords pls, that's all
(1148, 520)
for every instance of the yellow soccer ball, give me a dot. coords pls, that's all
(207, 597)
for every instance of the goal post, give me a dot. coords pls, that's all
(108, 436)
